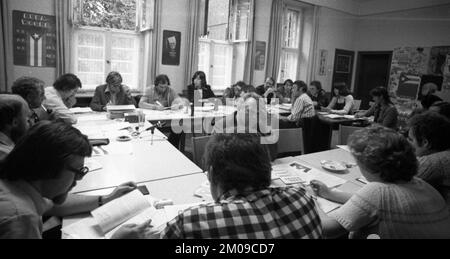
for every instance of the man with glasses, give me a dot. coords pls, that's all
(38, 174)
(111, 93)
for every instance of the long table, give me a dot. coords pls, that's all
(146, 160)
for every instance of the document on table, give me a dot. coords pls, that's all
(326, 205)
(296, 172)
(346, 148)
(335, 116)
(80, 110)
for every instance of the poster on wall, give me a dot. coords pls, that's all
(410, 60)
(343, 63)
(408, 87)
(34, 39)
(323, 62)
(171, 48)
(260, 58)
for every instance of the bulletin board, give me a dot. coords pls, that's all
(34, 39)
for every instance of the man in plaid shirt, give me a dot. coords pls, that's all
(246, 207)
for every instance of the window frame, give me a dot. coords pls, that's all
(284, 49)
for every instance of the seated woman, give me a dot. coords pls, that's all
(342, 101)
(394, 204)
(288, 85)
(160, 96)
(384, 110)
(199, 83)
(429, 134)
(301, 109)
(111, 93)
(317, 95)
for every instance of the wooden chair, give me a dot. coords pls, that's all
(198, 149)
(290, 140)
(345, 132)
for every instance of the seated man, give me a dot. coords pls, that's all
(32, 90)
(160, 96)
(61, 97)
(111, 93)
(45, 169)
(245, 206)
(303, 107)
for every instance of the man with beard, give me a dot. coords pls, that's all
(37, 175)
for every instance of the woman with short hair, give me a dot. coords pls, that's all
(394, 204)
(342, 101)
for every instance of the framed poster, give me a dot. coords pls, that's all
(323, 62)
(343, 63)
(260, 58)
(171, 48)
(408, 87)
(34, 39)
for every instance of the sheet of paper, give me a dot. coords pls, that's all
(326, 178)
(346, 148)
(84, 229)
(115, 148)
(326, 205)
(80, 110)
(334, 116)
(92, 164)
(120, 210)
(120, 108)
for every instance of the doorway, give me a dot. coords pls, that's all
(372, 70)
(343, 67)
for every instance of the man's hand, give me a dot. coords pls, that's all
(134, 231)
(320, 189)
(120, 191)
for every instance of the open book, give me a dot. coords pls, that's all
(133, 208)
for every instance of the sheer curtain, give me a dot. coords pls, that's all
(275, 38)
(250, 48)
(195, 24)
(64, 36)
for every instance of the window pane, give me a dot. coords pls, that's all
(203, 57)
(125, 58)
(116, 14)
(240, 19)
(218, 15)
(222, 60)
(90, 61)
(288, 66)
(292, 29)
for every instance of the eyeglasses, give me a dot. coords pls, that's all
(79, 173)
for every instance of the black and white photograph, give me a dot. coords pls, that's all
(224, 127)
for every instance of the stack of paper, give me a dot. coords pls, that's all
(80, 110)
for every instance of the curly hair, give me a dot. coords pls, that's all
(238, 161)
(385, 152)
(114, 77)
(161, 79)
(26, 86)
(433, 127)
(67, 82)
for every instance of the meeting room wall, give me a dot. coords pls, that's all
(262, 25)
(336, 31)
(174, 17)
(46, 7)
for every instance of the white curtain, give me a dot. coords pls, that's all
(314, 51)
(156, 48)
(250, 48)
(195, 24)
(64, 36)
(275, 38)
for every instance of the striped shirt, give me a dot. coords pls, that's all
(266, 214)
(302, 108)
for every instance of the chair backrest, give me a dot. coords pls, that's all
(290, 140)
(345, 132)
(198, 146)
(356, 105)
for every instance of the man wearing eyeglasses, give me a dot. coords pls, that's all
(111, 93)
(38, 174)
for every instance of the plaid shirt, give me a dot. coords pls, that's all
(266, 214)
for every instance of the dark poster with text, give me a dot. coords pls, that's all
(171, 48)
(34, 37)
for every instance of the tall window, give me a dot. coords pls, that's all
(108, 37)
(290, 51)
(227, 25)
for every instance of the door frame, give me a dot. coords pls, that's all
(359, 63)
